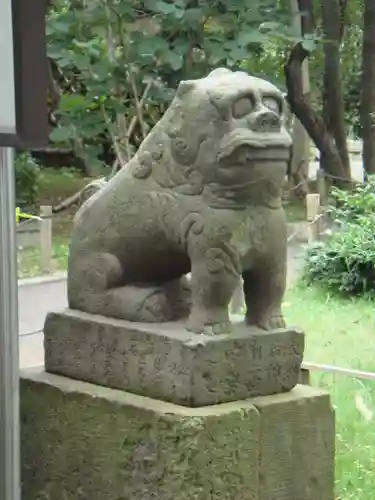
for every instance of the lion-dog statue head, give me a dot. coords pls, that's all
(223, 137)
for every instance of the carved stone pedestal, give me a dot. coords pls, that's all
(81, 441)
(164, 361)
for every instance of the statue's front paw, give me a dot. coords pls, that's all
(271, 322)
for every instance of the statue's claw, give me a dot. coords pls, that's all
(271, 322)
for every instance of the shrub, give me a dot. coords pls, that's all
(345, 263)
(356, 205)
(26, 177)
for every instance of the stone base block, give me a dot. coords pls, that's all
(81, 441)
(164, 361)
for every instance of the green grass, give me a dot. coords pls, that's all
(29, 260)
(54, 187)
(295, 211)
(340, 332)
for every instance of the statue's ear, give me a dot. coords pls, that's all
(184, 87)
(219, 72)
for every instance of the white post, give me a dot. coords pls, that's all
(46, 239)
(9, 358)
(313, 210)
(321, 186)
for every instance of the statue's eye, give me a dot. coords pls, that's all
(272, 104)
(242, 107)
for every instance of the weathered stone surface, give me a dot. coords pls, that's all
(202, 195)
(167, 362)
(82, 442)
(304, 377)
(297, 445)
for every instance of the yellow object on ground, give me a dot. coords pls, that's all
(23, 215)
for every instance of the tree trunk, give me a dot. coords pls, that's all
(299, 163)
(312, 122)
(300, 104)
(368, 87)
(333, 100)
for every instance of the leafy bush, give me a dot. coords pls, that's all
(27, 176)
(355, 206)
(345, 263)
(116, 64)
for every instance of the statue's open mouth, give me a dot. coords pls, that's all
(271, 153)
(245, 155)
(256, 146)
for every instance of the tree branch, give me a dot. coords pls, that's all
(313, 123)
(138, 106)
(343, 6)
(297, 101)
(308, 19)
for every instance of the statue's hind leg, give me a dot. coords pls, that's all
(95, 285)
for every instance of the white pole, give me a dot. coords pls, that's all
(46, 239)
(9, 360)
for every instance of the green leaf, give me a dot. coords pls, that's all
(269, 26)
(151, 45)
(254, 36)
(193, 15)
(102, 70)
(61, 134)
(181, 46)
(61, 56)
(59, 26)
(237, 54)
(71, 102)
(92, 129)
(165, 7)
(54, 52)
(217, 52)
(175, 60)
(125, 10)
(82, 61)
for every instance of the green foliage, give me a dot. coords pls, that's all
(116, 64)
(351, 62)
(345, 263)
(27, 180)
(356, 206)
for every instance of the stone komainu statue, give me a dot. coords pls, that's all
(201, 196)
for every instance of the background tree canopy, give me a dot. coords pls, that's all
(114, 66)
